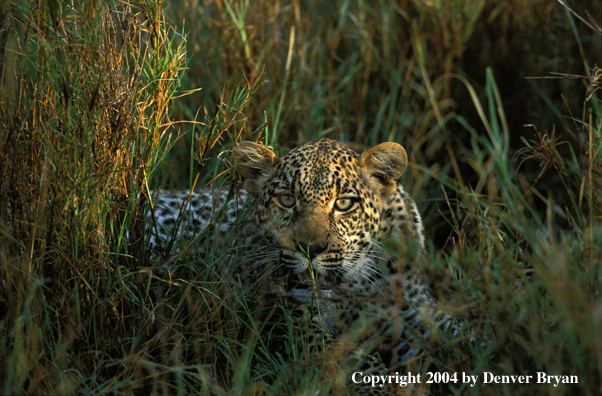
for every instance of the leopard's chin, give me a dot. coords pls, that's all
(307, 295)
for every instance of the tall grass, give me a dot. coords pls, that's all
(86, 93)
(90, 126)
(536, 284)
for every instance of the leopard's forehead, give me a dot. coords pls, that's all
(321, 156)
(319, 169)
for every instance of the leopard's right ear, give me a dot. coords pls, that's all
(255, 164)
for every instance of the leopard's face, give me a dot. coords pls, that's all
(323, 204)
(323, 211)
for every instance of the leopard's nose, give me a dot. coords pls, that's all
(312, 250)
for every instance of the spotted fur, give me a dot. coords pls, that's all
(175, 214)
(329, 214)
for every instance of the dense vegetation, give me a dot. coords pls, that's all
(102, 102)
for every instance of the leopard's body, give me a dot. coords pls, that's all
(342, 229)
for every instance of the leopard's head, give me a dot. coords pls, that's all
(323, 203)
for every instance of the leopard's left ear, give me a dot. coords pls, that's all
(255, 164)
(385, 164)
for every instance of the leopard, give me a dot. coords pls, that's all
(341, 232)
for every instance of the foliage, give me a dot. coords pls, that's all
(101, 103)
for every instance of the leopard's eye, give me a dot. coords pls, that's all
(343, 204)
(287, 201)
